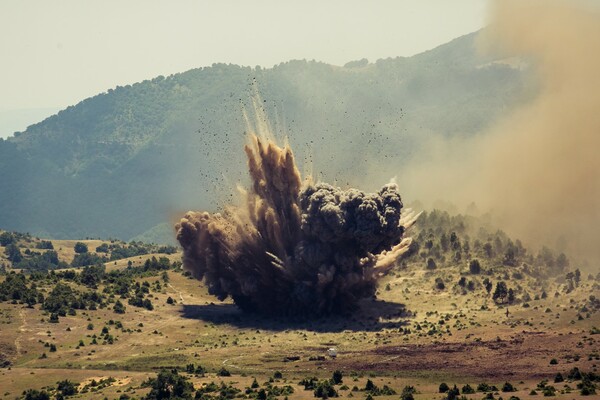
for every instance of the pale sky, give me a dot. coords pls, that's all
(57, 53)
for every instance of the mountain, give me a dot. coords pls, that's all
(125, 162)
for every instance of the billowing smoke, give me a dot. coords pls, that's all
(538, 169)
(294, 247)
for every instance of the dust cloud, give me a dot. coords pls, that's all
(538, 170)
(293, 247)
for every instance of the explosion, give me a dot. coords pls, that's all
(295, 248)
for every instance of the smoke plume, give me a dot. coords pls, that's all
(538, 170)
(294, 247)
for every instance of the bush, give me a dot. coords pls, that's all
(574, 374)
(484, 387)
(309, 383)
(45, 244)
(223, 372)
(119, 308)
(33, 394)
(549, 391)
(80, 248)
(66, 387)
(443, 387)
(325, 390)
(453, 393)
(431, 264)
(439, 284)
(169, 385)
(337, 377)
(475, 267)
(467, 389)
(407, 393)
(508, 387)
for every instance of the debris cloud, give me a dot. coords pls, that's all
(295, 247)
(537, 170)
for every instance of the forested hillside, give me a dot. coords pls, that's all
(122, 162)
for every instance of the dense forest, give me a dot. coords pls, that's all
(122, 163)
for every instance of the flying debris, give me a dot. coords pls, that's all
(295, 248)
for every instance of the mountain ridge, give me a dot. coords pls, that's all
(120, 163)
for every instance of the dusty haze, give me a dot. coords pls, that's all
(538, 170)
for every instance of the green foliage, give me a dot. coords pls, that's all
(32, 394)
(81, 248)
(508, 387)
(91, 276)
(574, 374)
(453, 393)
(443, 387)
(149, 126)
(324, 390)
(337, 376)
(408, 393)
(501, 292)
(103, 248)
(169, 385)
(83, 259)
(431, 265)
(45, 244)
(439, 284)
(6, 238)
(13, 253)
(15, 287)
(484, 387)
(309, 383)
(41, 261)
(467, 389)
(374, 390)
(475, 267)
(119, 308)
(67, 388)
(548, 391)
(587, 387)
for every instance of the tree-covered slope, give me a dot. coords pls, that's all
(124, 161)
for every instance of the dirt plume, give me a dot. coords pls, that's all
(295, 247)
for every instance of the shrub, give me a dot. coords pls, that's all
(439, 284)
(467, 389)
(325, 390)
(336, 379)
(119, 308)
(475, 267)
(66, 387)
(169, 385)
(80, 248)
(508, 387)
(407, 393)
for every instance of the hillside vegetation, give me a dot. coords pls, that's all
(122, 163)
(469, 312)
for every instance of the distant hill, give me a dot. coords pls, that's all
(124, 162)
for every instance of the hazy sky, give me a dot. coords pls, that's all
(56, 53)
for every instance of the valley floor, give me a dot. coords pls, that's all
(411, 335)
